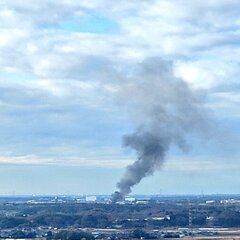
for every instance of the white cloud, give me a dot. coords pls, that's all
(75, 161)
(190, 165)
(208, 74)
(200, 164)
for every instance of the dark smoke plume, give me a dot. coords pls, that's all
(166, 112)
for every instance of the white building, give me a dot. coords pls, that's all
(91, 198)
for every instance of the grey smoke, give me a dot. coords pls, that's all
(166, 112)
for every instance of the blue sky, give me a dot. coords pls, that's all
(69, 86)
(88, 24)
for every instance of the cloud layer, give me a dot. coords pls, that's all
(59, 84)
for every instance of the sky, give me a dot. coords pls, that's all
(66, 72)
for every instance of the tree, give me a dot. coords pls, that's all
(138, 233)
(49, 235)
(73, 235)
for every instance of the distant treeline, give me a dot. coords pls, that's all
(127, 216)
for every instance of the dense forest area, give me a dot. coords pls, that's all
(125, 216)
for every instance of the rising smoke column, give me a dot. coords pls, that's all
(165, 112)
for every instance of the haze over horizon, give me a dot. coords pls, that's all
(67, 74)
